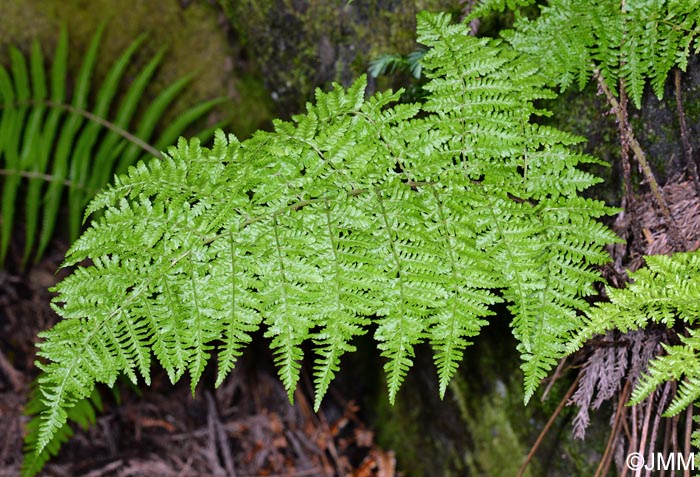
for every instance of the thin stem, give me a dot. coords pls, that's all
(657, 421)
(667, 442)
(620, 412)
(555, 377)
(625, 150)
(45, 177)
(688, 435)
(631, 140)
(645, 432)
(687, 146)
(548, 426)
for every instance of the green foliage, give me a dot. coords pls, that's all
(54, 142)
(82, 414)
(361, 214)
(392, 63)
(486, 6)
(635, 40)
(667, 292)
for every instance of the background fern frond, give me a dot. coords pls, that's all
(484, 7)
(83, 414)
(638, 41)
(58, 143)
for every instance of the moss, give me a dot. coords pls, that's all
(422, 430)
(491, 425)
(253, 108)
(194, 39)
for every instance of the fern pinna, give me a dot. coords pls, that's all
(412, 218)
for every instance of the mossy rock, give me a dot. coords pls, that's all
(482, 428)
(193, 36)
(301, 45)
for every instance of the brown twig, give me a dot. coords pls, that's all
(688, 435)
(629, 138)
(107, 469)
(305, 407)
(14, 376)
(210, 450)
(547, 426)
(657, 421)
(674, 435)
(557, 374)
(625, 151)
(186, 467)
(645, 432)
(217, 437)
(620, 412)
(667, 444)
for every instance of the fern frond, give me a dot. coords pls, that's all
(535, 242)
(484, 7)
(665, 292)
(638, 41)
(83, 414)
(360, 211)
(681, 364)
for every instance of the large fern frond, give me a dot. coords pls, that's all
(360, 211)
(56, 143)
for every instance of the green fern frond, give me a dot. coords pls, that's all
(57, 144)
(484, 7)
(390, 63)
(681, 364)
(666, 292)
(413, 218)
(638, 41)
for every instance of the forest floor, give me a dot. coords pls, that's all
(244, 428)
